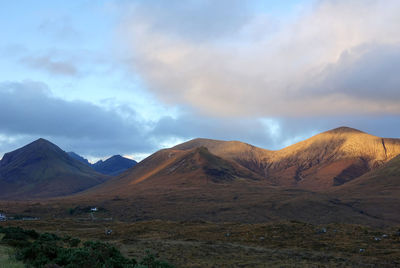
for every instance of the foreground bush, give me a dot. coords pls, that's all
(49, 249)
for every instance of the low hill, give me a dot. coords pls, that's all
(40, 170)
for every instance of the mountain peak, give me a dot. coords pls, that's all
(344, 129)
(42, 140)
(42, 169)
(41, 144)
(117, 156)
(114, 165)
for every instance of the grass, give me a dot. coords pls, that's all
(6, 258)
(205, 244)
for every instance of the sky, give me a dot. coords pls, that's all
(131, 77)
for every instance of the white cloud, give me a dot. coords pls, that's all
(256, 66)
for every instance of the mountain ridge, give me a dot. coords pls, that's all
(330, 158)
(113, 166)
(340, 175)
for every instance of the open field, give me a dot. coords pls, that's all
(205, 244)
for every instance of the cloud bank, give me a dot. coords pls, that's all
(28, 109)
(332, 58)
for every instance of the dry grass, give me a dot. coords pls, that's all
(204, 244)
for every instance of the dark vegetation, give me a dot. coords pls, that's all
(206, 244)
(50, 250)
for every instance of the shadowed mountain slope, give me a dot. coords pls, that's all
(41, 169)
(79, 158)
(114, 165)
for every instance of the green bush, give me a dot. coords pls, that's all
(150, 261)
(49, 249)
(18, 237)
(74, 242)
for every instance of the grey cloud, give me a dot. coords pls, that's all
(29, 109)
(272, 133)
(366, 72)
(197, 19)
(189, 126)
(52, 66)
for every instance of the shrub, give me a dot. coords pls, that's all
(48, 249)
(150, 261)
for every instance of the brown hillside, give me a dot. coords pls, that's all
(175, 169)
(189, 182)
(249, 156)
(323, 161)
(377, 191)
(331, 158)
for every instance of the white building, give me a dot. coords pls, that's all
(3, 217)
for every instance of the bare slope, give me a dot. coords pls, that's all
(331, 158)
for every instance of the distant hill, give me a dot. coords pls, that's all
(112, 166)
(41, 169)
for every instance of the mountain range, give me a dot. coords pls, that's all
(112, 166)
(340, 175)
